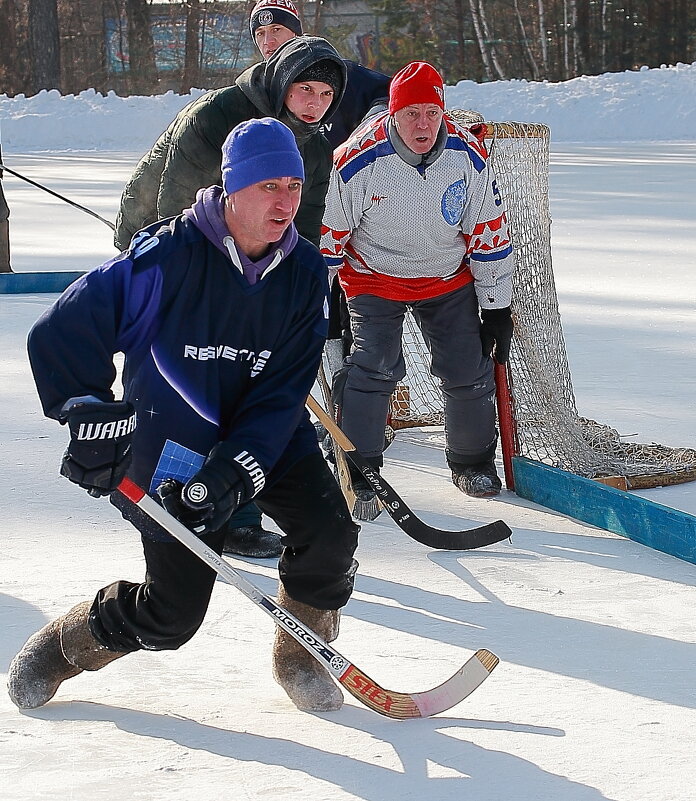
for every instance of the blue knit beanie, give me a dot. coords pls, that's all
(257, 150)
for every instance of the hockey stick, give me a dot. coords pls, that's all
(343, 474)
(506, 420)
(55, 194)
(400, 706)
(403, 517)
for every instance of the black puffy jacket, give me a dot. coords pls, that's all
(187, 156)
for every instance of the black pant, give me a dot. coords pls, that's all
(316, 566)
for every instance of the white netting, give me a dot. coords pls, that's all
(549, 428)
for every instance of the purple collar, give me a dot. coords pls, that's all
(207, 214)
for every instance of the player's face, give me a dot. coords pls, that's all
(269, 38)
(261, 213)
(309, 100)
(418, 126)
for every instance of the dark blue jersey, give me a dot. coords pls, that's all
(208, 357)
(364, 88)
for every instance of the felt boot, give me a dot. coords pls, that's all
(477, 480)
(60, 650)
(308, 684)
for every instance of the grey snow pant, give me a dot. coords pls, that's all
(450, 326)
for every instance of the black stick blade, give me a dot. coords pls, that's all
(466, 540)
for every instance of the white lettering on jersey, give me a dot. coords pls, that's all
(260, 363)
(211, 352)
(141, 243)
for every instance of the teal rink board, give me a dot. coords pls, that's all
(30, 283)
(668, 530)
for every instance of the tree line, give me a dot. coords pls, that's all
(146, 46)
(554, 40)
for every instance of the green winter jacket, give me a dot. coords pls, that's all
(187, 156)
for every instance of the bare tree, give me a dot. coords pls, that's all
(141, 49)
(480, 40)
(4, 229)
(604, 33)
(525, 43)
(684, 28)
(459, 22)
(579, 60)
(566, 42)
(9, 74)
(44, 44)
(82, 45)
(429, 10)
(543, 44)
(318, 8)
(192, 57)
(488, 40)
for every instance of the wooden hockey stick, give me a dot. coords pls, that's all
(339, 456)
(471, 538)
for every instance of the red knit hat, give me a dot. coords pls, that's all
(417, 82)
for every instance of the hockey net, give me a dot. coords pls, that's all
(546, 423)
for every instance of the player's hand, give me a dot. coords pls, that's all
(496, 333)
(99, 452)
(210, 497)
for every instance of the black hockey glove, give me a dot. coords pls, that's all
(99, 452)
(210, 497)
(496, 333)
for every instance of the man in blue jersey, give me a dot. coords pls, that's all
(221, 313)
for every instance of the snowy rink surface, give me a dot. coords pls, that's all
(594, 696)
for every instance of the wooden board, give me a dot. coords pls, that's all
(668, 530)
(30, 283)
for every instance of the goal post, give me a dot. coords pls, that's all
(538, 418)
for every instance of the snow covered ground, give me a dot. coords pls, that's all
(594, 695)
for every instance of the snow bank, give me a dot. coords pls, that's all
(648, 104)
(51, 121)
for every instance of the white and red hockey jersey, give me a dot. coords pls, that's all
(410, 233)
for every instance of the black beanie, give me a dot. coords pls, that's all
(275, 12)
(326, 71)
